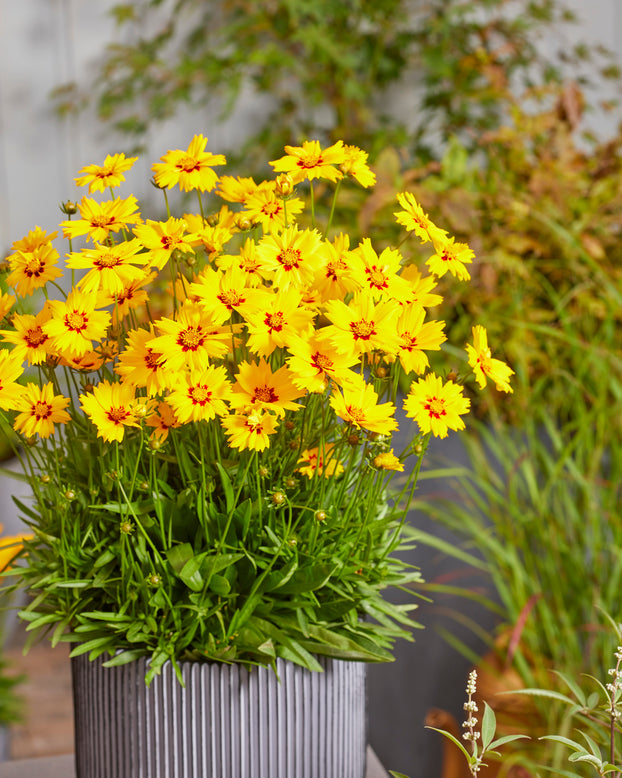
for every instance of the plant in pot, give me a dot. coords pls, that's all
(208, 443)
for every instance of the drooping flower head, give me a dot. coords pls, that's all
(483, 364)
(436, 406)
(191, 169)
(108, 175)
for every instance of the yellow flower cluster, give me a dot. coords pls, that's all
(261, 314)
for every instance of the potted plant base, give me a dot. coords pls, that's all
(225, 720)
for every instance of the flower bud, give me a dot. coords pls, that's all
(154, 580)
(289, 425)
(284, 185)
(213, 219)
(278, 498)
(382, 372)
(45, 478)
(69, 207)
(320, 516)
(263, 472)
(290, 483)
(70, 494)
(126, 527)
(243, 223)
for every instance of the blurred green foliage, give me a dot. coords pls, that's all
(330, 70)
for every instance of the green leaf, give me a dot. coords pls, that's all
(190, 574)
(124, 658)
(227, 488)
(489, 725)
(179, 555)
(220, 585)
(397, 775)
(307, 579)
(454, 740)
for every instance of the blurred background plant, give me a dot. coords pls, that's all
(320, 68)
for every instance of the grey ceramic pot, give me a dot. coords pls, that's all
(224, 722)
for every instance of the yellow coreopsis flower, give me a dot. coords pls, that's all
(163, 238)
(450, 256)
(363, 326)
(99, 220)
(213, 238)
(388, 461)
(416, 338)
(162, 420)
(319, 461)
(110, 174)
(74, 323)
(483, 364)
(7, 301)
(310, 161)
(264, 207)
(28, 338)
(201, 395)
(355, 165)
(436, 407)
(421, 287)
(415, 220)
(235, 189)
(334, 278)
(10, 370)
(379, 275)
(191, 339)
(249, 430)
(141, 366)
(39, 410)
(191, 169)
(10, 546)
(223, 292)
(247, 261)
(110, 268)
(257, 386)
(33, 240)
(314, 362)
(31, 270)
(357, 404)
(109, 407)
(292, 256)
(274, 319)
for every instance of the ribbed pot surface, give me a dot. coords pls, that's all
(226, 722)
